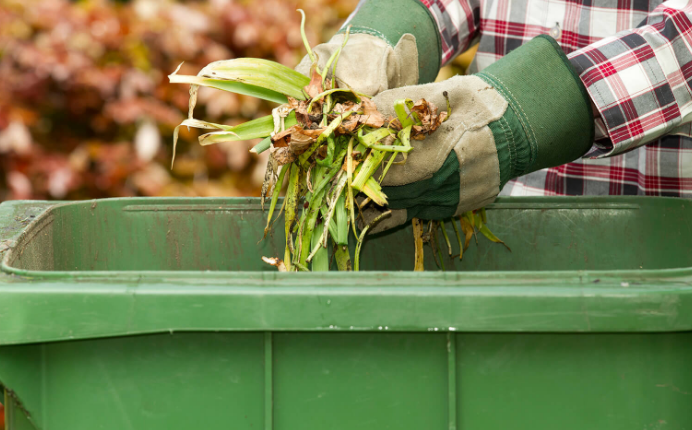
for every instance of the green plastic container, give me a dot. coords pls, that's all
(159, 314)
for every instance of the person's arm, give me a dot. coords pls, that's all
(458, 22)
(394, 43)
(502, 125)
(639, 80)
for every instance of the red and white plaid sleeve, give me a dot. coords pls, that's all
(458, 22)
(639, 80)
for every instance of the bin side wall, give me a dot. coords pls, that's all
(370, 381)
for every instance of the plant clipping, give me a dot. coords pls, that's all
(334, 148)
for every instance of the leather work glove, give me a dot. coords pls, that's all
(525, 112)
(367, 64)
(383, 52)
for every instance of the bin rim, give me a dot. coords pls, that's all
(63, 306)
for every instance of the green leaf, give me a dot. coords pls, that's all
(231, 87)
(256, 77)
(373, 137)
(489, 234)
(257, 128)
(192, 122)
(406, 118)
(332, 91)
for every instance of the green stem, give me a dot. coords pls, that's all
(320, 261)
(343, 258)
(308, 230)
(349, 172)
(324, 234)
(386, 169)
(361, 238)
(275, 197)
(461, 244)
(290, 217)
(371, 163)
(444, 233)
(335, 58)
(265, 144)
(326, 133)
(313, 58)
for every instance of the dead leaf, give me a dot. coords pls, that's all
(467, 228)
(349, 125)
(418, 241)
(314, 133)
(315, 86)
(283, 155)
(429, 116)
(300, 141)
(371, 116)
(301, 110)
(282, 142)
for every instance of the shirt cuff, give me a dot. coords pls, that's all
(632, 95)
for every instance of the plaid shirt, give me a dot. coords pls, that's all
(635, 59)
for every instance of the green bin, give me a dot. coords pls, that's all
(152, 314)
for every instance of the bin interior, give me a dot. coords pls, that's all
(545, 234)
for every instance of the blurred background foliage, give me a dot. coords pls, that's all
(86, 110)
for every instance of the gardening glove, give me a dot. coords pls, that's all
(525, 112)
(368, 64)
(383, 51)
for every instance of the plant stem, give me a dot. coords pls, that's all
(320, 260)
(418, 241)
(361, 238)
(444, 233)
(343, 258)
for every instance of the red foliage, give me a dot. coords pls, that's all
(86, 110)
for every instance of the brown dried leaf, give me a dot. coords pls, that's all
(296, 137)
(395, 124)
(429, 116)
(371, 116)
(301, 110)
(418, 132)
(349, 125)
(346, 106)
(418, 241)
(293, 142)
(270, 177)
(322, 152)
(284, 155)
(467, 228)
(315, 86)
(285, 133)
(354, 164)
(314, 132)
(300, 141)
(387, 140)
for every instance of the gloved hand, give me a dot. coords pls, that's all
(527, 111)
(367, 63)
(385, 50)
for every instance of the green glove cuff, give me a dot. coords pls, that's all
(420, 202)
(391, 19)
(549, 121)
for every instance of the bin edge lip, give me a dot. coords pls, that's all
(505, 278)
